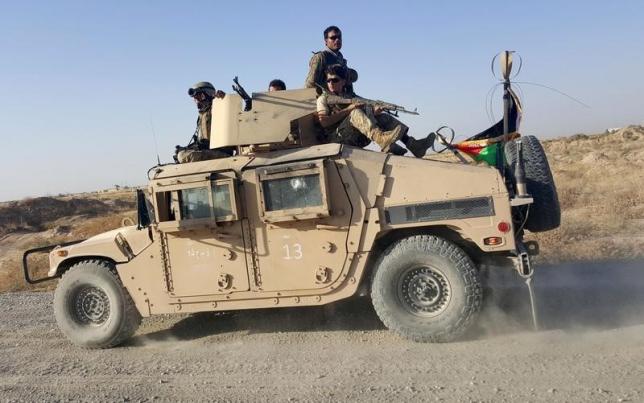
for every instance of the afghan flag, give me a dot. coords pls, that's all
(486, 150)
(487, 146)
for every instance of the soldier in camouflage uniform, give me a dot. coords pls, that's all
(198, 149)
(358, 124)
(329, 56)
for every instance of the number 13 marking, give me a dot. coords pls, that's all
(293, 252)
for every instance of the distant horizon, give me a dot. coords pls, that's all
(133, 187)
(92, 92)
(125, 189)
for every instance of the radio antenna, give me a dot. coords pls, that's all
(154, 139)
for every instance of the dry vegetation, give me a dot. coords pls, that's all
(600, 180)
(42, 221)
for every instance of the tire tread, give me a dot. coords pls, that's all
(131, 316)
(466, 270)
(545, 212)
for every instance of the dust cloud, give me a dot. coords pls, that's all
(589, 349)
(572, 297)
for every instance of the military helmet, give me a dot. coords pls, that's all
(352, 75)
(202, 86)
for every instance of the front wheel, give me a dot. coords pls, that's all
(426, 289)
(92, 307)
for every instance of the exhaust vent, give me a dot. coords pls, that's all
(437, 211)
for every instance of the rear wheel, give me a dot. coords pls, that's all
(544, 213)
(426, 289)
(92, 307)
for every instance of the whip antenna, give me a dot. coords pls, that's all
(154, 139)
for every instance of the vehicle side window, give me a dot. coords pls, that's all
(197, 201)
(290, 193)
(194, 203)
(293, 192)
(222, 202)
(164, 206)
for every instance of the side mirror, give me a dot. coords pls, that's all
(143, 214)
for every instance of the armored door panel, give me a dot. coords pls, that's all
(301, 216)
(207, 261)
(202, 238)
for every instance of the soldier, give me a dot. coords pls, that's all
(358, 124)
(198, 149)
(329, 56)
(276, 85)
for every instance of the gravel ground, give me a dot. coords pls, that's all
(590, 348)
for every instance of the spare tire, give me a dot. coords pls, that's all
(544, 213)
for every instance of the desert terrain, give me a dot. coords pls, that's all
(590, 297)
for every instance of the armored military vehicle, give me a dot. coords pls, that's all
(290, 221)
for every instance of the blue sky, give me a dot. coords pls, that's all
(83, 84)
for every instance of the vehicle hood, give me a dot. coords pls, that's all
(120, 245)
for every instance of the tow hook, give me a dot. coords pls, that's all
(525, 270)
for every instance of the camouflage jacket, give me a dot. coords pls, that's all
(203, 126)
(318, 63)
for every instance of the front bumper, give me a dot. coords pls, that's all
(25, 265)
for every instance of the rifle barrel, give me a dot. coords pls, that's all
(338, 100)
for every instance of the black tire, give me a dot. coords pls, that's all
(544, 214)
(92, 307)
(426, 289)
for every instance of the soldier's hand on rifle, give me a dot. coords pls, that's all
(377, 110)
(220, 94)
(357, 105)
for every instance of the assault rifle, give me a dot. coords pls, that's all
(248, 101)
(392, 109)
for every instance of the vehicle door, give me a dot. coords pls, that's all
(201, 234)
(299, 215)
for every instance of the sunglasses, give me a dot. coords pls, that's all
(335, 37)
(333, 80)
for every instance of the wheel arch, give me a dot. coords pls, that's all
(66, 264)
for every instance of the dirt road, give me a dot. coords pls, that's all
(591, 348)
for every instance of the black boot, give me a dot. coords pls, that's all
(395, 149)
(419, 147)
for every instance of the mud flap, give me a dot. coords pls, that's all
(524, 268)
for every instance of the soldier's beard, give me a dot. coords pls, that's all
(204, 105)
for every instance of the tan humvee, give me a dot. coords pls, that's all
(293, 222)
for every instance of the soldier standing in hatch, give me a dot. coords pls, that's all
(276, 85)
(329, 56)
(358, 124)
(198, 149)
